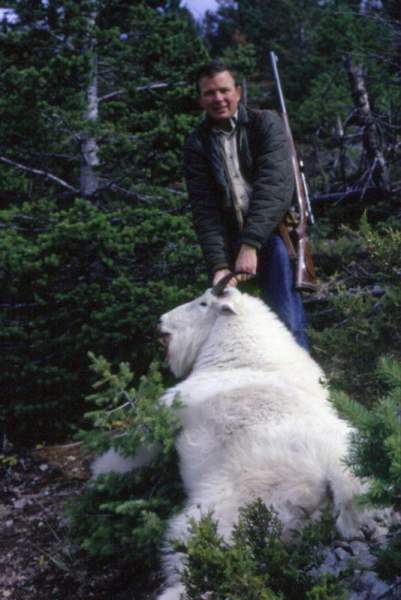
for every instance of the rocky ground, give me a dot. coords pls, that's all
(363, 583)
(36, 560)
(38, 563)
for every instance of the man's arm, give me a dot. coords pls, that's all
(206, 213)
(273, 184)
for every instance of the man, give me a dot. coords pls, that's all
(240, 185)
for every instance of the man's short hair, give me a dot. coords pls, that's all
(210, 70)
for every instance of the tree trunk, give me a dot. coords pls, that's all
(376, 165)
(89, 147)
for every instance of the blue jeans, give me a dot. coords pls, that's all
(276, 281)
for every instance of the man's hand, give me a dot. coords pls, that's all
(247, 260)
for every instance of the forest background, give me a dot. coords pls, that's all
(96, 239)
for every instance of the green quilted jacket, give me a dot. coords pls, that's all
(264, 161)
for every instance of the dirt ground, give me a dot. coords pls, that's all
(36, 560)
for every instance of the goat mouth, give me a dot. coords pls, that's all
(164, 339)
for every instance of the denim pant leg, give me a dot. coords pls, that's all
(276, 280)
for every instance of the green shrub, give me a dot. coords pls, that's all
(125, 515)
(361, 319)
(376, 447)
(257, 564)
(83, 279)
(376, 453)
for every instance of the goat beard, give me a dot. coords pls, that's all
(181, 355)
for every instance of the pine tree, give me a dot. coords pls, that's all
(312, 39)
(95, 242)
(376, 447)
(376, 455)
(93, 93)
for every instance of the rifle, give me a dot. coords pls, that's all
(293, 228)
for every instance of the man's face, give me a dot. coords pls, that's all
(219, 96)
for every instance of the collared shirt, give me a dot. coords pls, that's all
(241, 189)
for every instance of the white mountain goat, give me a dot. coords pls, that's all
(256, 422)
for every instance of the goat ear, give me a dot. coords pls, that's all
(227, 308)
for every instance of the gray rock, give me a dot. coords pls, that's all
(374, 585)
(354, 562)
(342, 554)
(394, 593)
(379, 589)
(3, 511)
(361, 595)
(362, 554)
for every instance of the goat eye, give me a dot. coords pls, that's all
(203, 303)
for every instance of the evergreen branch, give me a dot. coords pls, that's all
(351, 409)
(40, 173)
(390, 371)
(176, 192)
(141, 88)
(113, 187)
(160, 84)
(112, 95)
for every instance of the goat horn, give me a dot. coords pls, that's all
(221, 285)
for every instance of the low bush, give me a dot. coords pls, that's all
(125, 515)
(361, 319)
(257, 564)
(376, 453)
(80, 279)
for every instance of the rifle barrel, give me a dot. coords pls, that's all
(274, 61)
(305, 279)
(300, 180)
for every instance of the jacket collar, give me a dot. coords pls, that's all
(208, 124)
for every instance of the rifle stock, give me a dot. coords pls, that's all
(299, 250)
(294, 234)
(305, 278)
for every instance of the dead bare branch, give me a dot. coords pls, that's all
(39, 172)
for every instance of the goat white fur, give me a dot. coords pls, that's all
(256, 423)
